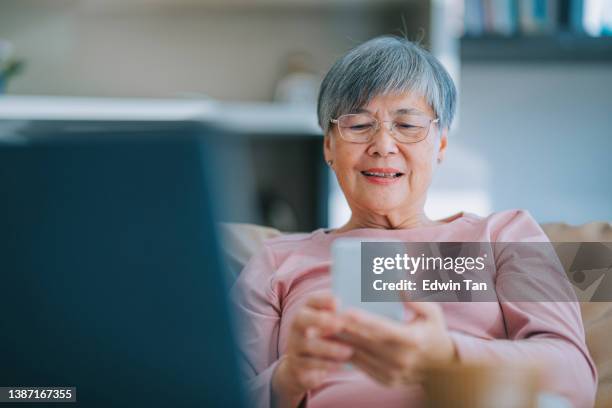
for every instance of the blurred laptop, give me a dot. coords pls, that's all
(111, 278)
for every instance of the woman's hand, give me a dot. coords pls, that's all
(311, 354)
(396, 353)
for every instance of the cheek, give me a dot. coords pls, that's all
(343, 177)
(347, 159)
(421, 165)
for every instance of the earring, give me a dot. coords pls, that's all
(330, 162)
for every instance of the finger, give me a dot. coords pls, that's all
(386, 354)
(372, 327)
(390, 355)
(376, 361)
(427, 310)
(325, 323)
(388, 372)
(325, 349)
(404, 296)
(372, 367)
(312, 378)
(313, 363)
(322, 300)
(359, 340)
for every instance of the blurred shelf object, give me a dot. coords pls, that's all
(111, 5)
(556, 48)
(13, 107)
(537, 17)
(537, 30)
(269, 118)
(245, 117)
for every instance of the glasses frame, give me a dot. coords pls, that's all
(336, 121)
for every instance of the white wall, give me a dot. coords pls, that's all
(545, 133)
(225, 53)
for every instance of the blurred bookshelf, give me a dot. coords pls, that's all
(537, 31)
(562, 47)
(237, 52)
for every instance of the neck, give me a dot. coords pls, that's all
(388, 221)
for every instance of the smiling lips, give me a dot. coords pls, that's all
(382, 175)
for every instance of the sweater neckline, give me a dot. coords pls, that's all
(325, 233)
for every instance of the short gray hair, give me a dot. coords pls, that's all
(384, 65)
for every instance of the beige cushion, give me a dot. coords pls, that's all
(241, 241)
(592, 232)
(597, 316)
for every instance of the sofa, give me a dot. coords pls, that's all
(241, 241)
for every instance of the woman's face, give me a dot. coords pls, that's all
(354, 163)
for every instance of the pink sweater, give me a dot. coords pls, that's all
(277, 281)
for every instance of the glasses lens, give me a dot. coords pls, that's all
(411, 128)
(357, 127)
(360, 127)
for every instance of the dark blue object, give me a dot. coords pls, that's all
(110, 275)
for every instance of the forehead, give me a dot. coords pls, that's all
(397, 101)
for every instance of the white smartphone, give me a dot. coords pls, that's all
(346, 280)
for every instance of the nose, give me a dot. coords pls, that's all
(383, 143)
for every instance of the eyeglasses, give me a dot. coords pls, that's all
(405, 128)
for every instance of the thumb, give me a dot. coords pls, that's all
(323, 300)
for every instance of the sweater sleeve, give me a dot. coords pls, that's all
(257, 312)
(548, 332)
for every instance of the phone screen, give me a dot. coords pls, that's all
(346, 280)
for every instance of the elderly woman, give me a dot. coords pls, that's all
(385, 108)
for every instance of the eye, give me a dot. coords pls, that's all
(411, 122)
(404, 125)
(360, 127)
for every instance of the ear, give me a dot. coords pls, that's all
(327, 146)
(442, 147)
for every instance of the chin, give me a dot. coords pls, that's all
(381, 207)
